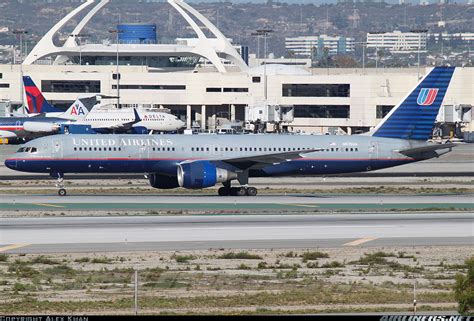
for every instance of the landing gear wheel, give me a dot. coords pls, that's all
(224, 191)
(62, 192)
(240, 191)
(251, 191)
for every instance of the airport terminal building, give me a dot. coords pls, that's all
(174, 76)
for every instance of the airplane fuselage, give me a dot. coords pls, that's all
(163, 153)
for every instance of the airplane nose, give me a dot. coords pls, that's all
(10, 163)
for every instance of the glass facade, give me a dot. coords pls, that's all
(70, 86)
(383, 110)
(152, 87)
(316, 90)
(322, 111)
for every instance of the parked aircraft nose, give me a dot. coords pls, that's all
(180, 123)
(10, 163)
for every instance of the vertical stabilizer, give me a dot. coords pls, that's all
(415, 116)
(36, 101)
(79, 109)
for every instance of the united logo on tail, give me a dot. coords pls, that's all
(427, 96)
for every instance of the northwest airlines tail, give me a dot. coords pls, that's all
(415, 116)
(36, 101)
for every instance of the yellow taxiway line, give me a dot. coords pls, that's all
(12, 247)
(50, 205)
(360, 241)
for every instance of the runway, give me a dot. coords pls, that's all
(280, 202)
(104, 234)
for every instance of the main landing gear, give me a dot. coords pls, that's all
(237, 191)
(60, 183)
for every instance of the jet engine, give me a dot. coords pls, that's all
(40, 127)
(7, 134)
(202, 174)
(163, 181)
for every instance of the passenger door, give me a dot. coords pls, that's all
(57, 150)
(374, 150)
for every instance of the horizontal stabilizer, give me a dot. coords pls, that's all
(424, 149)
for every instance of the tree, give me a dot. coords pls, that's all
(345, 61)
(464, 289)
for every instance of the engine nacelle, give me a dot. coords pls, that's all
(202, 174)
(40, 127)
(7, 134)
(163, 181)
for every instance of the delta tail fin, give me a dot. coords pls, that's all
(415, 116)
(36, 102)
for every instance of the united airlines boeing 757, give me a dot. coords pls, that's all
(200, 161)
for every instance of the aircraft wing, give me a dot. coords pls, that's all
(259, 161)
(423, 149)
(120, 126)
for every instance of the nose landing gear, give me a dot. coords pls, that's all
(60, 183)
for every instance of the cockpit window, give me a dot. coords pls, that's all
(27, 150)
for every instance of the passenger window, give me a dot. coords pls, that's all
(347, 149)
(332, 149)
(75, 149)
(216, 149)
(202, 149)
(226, 149)
(357, 149)
(192, 149)
(115, 149)
(260, 149)
(245, 148)
(172, 148)
(241, 149)
(352, 149)
(207, 149)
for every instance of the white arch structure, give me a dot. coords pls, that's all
(213, 50)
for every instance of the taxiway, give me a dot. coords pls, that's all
(144, 233)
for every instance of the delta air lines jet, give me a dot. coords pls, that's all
(200, 161)
(111, 120)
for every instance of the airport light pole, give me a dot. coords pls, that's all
(377, 48)
(364, 45)
(419, 31)
(264, 32)
(20, 33)
(117, 32)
